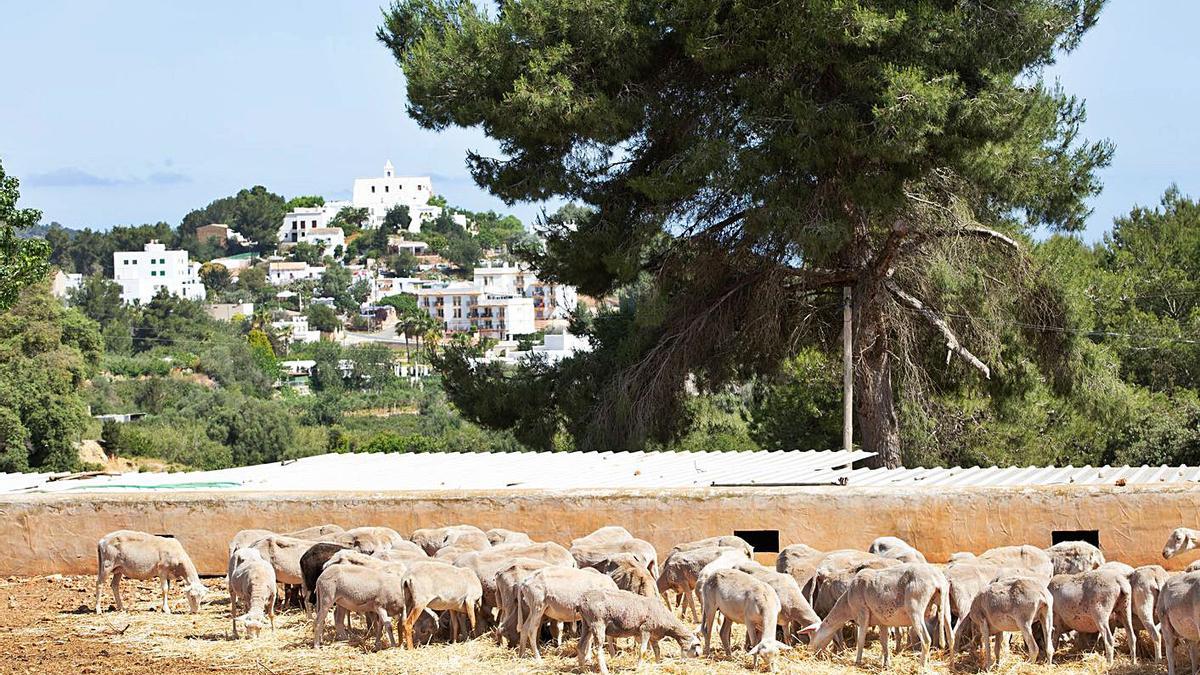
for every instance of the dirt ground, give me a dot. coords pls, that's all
(47, 627)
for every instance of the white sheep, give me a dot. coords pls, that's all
(138, 555)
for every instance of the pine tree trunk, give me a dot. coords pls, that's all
(874, 398)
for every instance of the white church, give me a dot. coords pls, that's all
(377, 195)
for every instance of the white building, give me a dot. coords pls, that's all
(378, 195)
(465, 307)
(284, 273)
(63, 283)
(551, 302)
(144, 273)
(298, 223)
(296, 329)
(554, 348)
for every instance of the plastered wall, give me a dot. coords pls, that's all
(44, 534)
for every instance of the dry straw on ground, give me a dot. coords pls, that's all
(205, 640)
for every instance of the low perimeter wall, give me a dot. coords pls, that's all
(44, 534)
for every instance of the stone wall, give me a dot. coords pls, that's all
(44, 534)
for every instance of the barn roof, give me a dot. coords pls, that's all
(585, 470)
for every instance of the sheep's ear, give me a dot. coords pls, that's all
(810, 629)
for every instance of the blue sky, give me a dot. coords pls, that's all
(130, 112)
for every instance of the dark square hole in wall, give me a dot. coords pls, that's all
(1090, 536)
(763, 541)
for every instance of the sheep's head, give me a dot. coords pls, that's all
(1179, 541)
(252, 624)
(767, 649)
(690, 645)
(195, 593)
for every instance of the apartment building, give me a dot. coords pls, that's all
(465, 307)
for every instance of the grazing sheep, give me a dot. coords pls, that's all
(1178, 615)
(1010, 604)
(488, 563)
(800, 562)
(253, 583)
(284, 555)
(1031, 558)
(368, 540)
(552, 593)
(1085, 602)
(1146, 583)
(629, 575)
(499, 535)
(608, 614)
(360, 589)
(967, 579)
(506, 596)
(896, 549)
(794, 610)
(729, 540)
(440, 587)
(681, 572)
(610, 534)
(312, 563)
(743, 599)
(432, 539)
(835, 574)
(139, 555)
(898, 596)
(598, 555)
(1073, 557)
(1181, 539)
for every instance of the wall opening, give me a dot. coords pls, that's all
(763, 541)
(1090, 536)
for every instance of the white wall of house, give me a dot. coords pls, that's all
(284, 273)
(298, 222)
(142, 274)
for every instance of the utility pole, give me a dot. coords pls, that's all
(847, 373)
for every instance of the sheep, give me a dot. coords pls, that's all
(139, 555)
(896, 596)
(896, 549)
(1178, 615)
(1145, 584)
(967, 580)
(746, 600)
(629, 575)
(360, 589)
(244, 538)
(681, 571)
(1073, 557)
(1010, 604)
(499, 535)
(487, 564)
(800, 562)
(610, 534)
(404, 554)
(252, 582)
(1181, 539)
(1085, 602)
(312, 563)
(370, 539)
(506, 583)
(1024, 557)
(431, 539)
(595, 555)
(316, 532)
(836, 572)
(607, 614)
(552, 593)
(794, 610)
(729, 540)
(440, 587)
(284, 555)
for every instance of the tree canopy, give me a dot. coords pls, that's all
(753, 159)
(22, 261)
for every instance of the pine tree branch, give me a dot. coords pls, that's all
(979, 231)
(952, 342)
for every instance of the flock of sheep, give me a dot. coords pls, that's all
(441, 582)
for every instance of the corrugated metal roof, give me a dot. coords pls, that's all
(479, 471)
(579, 470)
(1022, 476)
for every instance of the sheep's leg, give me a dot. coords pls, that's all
(1168, 645)
(1030, 643)
(726, 630)
(411, 621)
(985, 643)
(166, 587)
(690, 602)
(233, 613)
(453, 627)
(884, 634)
(598, 635)
(1107, 636)
(706, 626)
(102, 573)
(860, 638)
(116, 589)
(1192, 655)
(340, 619)
(318, 620)
(271, 609)
(583, 652)
(1127, 617)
